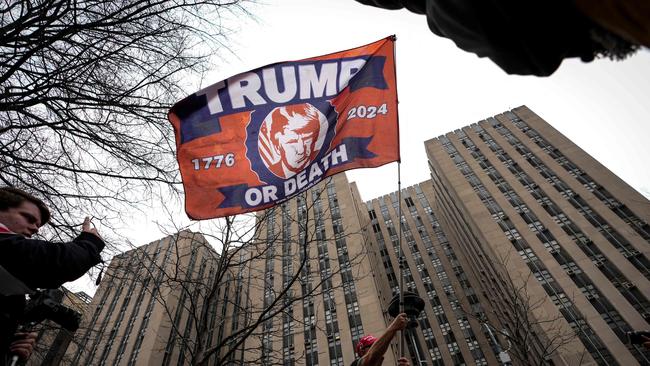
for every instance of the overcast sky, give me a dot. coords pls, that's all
(602, 106)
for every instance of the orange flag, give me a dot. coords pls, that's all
(258, 138)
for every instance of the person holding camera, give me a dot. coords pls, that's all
(37, 263)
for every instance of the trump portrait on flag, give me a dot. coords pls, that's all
(291, 137)
(260, 137)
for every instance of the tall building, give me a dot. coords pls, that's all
(143, 310)
(152, 308)
(525, 249)
(448, 332)
(314, 249)
(525, 205)
(52, 340)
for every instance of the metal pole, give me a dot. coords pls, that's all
(393, 38)
(401, 255)
(504, 358)
(420, 361)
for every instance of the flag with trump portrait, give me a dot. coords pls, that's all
(260, 137)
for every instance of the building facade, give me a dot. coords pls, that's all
(301, 291)
(526, 250)
(528, 207)
(315, 261)
(52, 340)
(143, 310)
(448, 331)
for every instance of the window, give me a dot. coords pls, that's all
(561, 301)
(552, 246)
(543, 276)
(571, 268)
(512, 234)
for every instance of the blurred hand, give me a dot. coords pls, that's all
(85, 227)
(646, 342)
(399, 322)
(23, 345)
(403, 361)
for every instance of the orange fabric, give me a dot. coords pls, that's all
(227, 135)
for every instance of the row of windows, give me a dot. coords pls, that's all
(309, 317)
(570, 312)
(634, 256)
(607, 268)
(331, 321)
(288, 347)
(180, 310)
(638, 225)
(269, 294)
(600, 304)
(424, 275)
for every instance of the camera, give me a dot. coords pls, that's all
(46, 305)
(637, 337)
(42, 305)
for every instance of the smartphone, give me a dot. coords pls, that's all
(637, 337)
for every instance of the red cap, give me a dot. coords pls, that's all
(364, 342)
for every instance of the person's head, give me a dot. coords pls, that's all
(21, 212)
(294, 132)
(364, 345)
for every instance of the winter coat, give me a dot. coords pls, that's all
(41, 264)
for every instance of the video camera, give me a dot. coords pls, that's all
(42, 305)
(46, 305)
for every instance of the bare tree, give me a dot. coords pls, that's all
(226, 298)
(85, 86)
(528, 333)
(260, 275)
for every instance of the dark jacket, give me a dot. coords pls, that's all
(41, 264)
(530, 37)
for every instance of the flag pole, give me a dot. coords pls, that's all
(393, 38)
(401, 255)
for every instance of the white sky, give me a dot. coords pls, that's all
(602, 106)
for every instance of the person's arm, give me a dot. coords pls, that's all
(23, 346)
(41, 264)
(646, 342)
(375, 354)
(403, 361)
